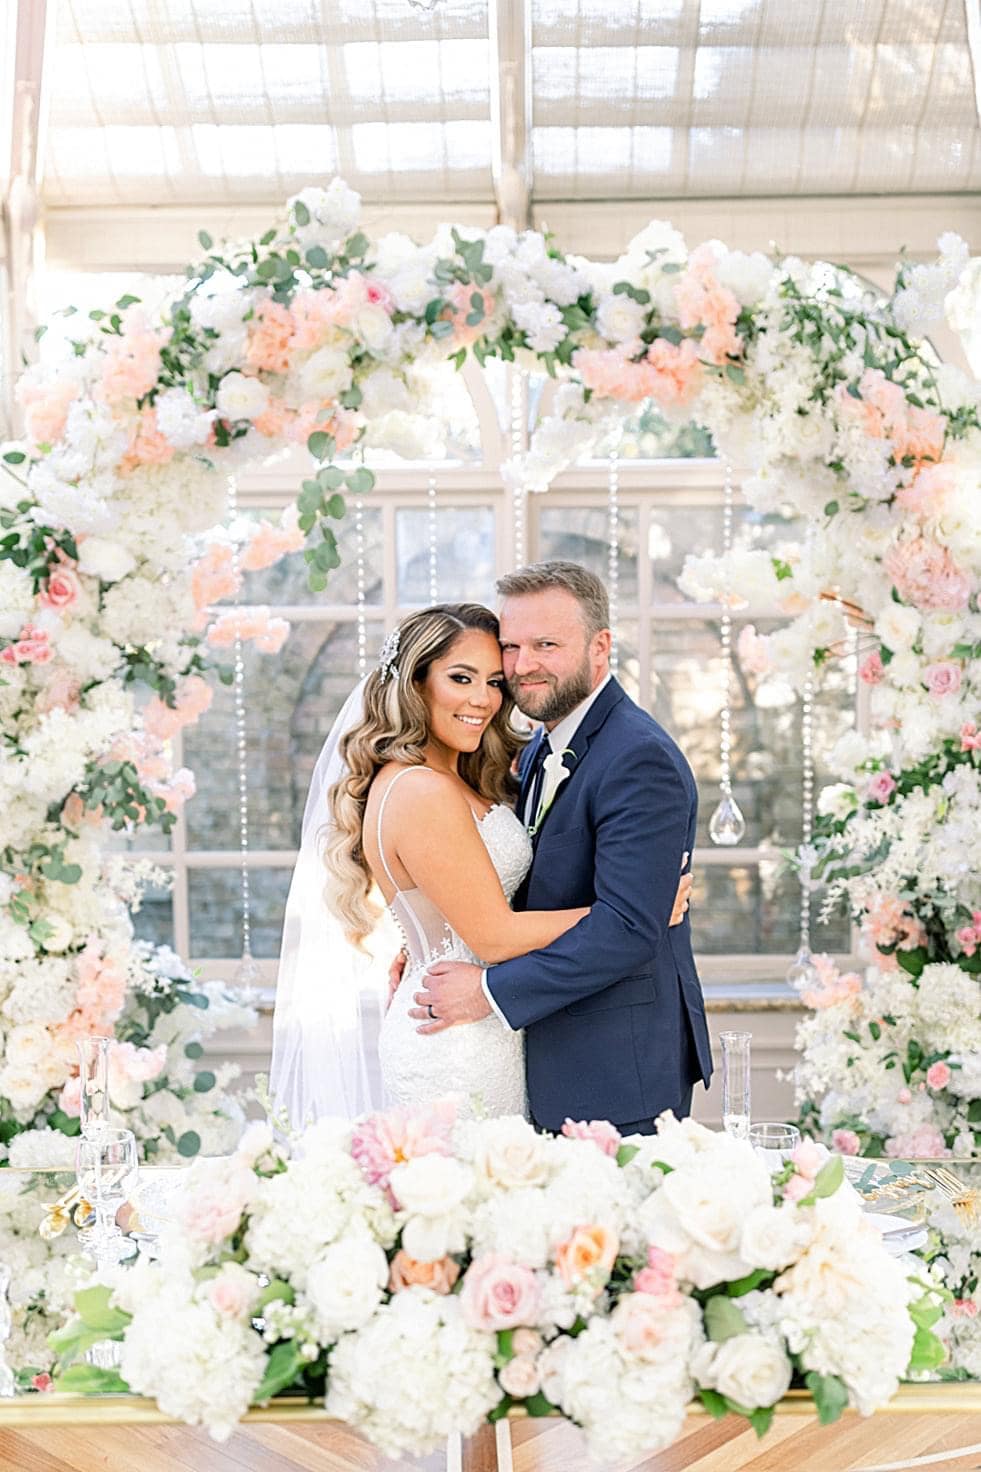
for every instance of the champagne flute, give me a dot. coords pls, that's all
(736, 1083)
(107, 1169)
(93, 1072)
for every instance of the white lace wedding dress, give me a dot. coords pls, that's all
(481, 1061)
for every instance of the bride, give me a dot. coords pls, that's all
(413, 797)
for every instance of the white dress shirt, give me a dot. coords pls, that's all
(559, 738)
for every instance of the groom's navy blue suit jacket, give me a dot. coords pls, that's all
(613, 1011)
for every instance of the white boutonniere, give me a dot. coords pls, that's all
(555, 772)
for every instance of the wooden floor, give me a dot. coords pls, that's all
(930, 1442)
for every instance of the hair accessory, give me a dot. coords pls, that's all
(389, 654)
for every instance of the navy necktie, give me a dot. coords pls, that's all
(537, 781)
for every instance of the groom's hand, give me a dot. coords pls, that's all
(452, 994)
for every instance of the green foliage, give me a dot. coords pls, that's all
(723, 1320)
(830, 1395)
(282, 1368)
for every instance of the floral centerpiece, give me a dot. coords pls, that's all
(421, 1275)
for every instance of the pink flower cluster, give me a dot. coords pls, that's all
(147, 446)
(460, 308)
(926, 575)
(385, 1140)
(194, 696)
(278, 334)
(132, 361)
(938, 1075)
(498, 1294)
(887, 922)
(970, 737)
(884, 413)
(213, 578)
(32, 646)
(297, 425)
(62, 588)
(603, 1135)
(942, 678)
(969, 936)
(754, 651)
(846, 1142)
(270, 338)
(929, 493)
(704, 302)
(926, 1142)
(669, 373)
(834, 988)
(269, 634)
(268, 543)
(659, 1278)
(45, 407)
(872, 671)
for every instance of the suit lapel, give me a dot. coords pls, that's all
(575, 752)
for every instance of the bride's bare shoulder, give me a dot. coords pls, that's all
(423, 787)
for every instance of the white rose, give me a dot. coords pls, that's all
(101, 558)
(746, 276)
(26, 1045)
(374, 327)
(412, 436)
(897, 626)
(837, 801)
(325, 374)
(774, 1236)
(345, 1286)
(330, 214)
(520, 1377)
(751, 1369)
(620, 318)
(509, 1153)
(239, 397)
(23, 1087)
(431, 1185)
(59, 933)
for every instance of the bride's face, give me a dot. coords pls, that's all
(463, 691)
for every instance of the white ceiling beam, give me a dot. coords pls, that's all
(23, 166)
(510, 100)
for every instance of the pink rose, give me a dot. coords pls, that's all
(808, 1158)
(938, 1075)
(970, 737)
(602, 1134)
(639, 1322)
(881, 787)
(872, 671)
(42, 1382)
(968, 937)
(520, 1377)
(61, 590)
(232, 1292)
(659, 1278)
(964, 1308)
(797, 1188)
(70, 1098)
(943, 678)
(904, 1097)
(31, 647)
(498, 1294)
(846, 1142)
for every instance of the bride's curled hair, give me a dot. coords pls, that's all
(395, 728)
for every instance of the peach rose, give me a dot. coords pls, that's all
(408, 1272)
(588, 1254)
(61, 590)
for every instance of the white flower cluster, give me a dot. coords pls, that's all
(430, 1272)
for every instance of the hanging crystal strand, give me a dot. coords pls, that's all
(433, 543)
(362, 622)
(247, 972)
(802, 972)
(613, 557)
(727, 824)
(518, 401)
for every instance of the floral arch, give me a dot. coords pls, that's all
(113, 553)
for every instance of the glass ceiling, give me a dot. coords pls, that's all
(245, 101)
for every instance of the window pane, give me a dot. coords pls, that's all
(287, 580)
(154, 920)
(464, 555)
(628, 672)
(581, 534)
(737, 909)
(676, 531)
(291, 700)
(215, 900)
(687, 679)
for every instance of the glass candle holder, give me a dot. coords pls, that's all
(736, 1104)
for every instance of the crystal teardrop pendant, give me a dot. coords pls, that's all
(247, 973)
(802, 971)
(727, 824)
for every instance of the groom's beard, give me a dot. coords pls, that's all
(555, 698)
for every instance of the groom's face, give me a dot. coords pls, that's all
(550, 662)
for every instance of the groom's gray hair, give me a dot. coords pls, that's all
(587, 589)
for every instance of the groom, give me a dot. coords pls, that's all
(613, 1011)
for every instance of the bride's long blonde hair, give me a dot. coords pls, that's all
(396, 728)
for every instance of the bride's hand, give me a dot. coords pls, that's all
(683, 897)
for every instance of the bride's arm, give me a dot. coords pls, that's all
(431, 828)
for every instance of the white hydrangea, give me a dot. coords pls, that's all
(333, 214)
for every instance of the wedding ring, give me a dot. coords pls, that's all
(432, 1014)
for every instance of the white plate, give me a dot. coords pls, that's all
(898, 1235)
